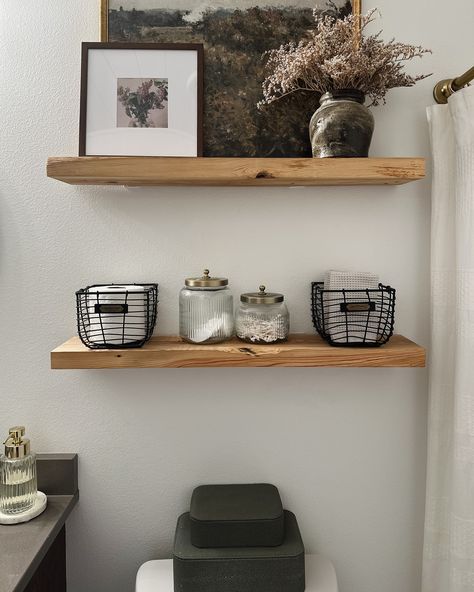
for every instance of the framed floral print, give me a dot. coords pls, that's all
(141, 99)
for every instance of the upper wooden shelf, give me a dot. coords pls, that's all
(300, 350)
(256, 172)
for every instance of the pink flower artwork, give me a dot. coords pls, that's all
(142, 102)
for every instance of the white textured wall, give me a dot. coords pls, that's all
(346, 447)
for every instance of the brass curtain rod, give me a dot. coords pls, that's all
(445, 88)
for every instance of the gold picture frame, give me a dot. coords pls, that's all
(104, 20)
(357, 10)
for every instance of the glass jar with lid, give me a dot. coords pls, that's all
(262, 317)
(206, 310)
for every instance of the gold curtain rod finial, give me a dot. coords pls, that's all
(445, 88)
(442, 91)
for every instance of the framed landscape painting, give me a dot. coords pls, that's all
(235, 35)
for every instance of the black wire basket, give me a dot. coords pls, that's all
(353, 318)
(116, 316)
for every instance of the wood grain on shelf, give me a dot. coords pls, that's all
(300, 350)
(138, 171)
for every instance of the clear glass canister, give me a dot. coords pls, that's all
(262, 317)
(206, 310)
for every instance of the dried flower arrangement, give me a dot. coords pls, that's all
(334, 57)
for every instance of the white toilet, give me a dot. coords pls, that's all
(157, 576)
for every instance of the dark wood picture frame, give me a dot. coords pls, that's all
(86, 46)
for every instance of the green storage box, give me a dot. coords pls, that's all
(245, 515)
(239, 569)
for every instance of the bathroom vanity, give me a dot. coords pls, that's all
(33, 554)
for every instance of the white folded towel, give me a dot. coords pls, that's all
(349, 327)
(351, 280)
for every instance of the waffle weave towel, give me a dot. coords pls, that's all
(347, 327)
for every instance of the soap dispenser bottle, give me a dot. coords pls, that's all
(18, 487)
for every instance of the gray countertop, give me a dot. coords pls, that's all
(23, 546)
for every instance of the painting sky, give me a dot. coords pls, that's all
(201, 5)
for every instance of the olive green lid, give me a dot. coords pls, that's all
(262, 297)
(206, 281)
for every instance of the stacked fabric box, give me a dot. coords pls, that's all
(238, 538)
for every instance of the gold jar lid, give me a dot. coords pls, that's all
(206, 281)
(15, 445)
(262, 297)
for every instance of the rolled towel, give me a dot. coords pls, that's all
(116, 314)
(348, 327)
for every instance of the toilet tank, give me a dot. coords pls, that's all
(157, 576)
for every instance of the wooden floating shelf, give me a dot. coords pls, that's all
(255, 172)
(300, 350)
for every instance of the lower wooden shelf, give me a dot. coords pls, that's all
(299, 351)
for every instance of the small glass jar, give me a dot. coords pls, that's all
(262, 317)
(206, 310)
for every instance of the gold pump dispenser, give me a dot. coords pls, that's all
(18, 484)
(15, 445)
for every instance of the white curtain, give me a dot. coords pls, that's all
(448, 558)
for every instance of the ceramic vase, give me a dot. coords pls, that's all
(342, 127)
